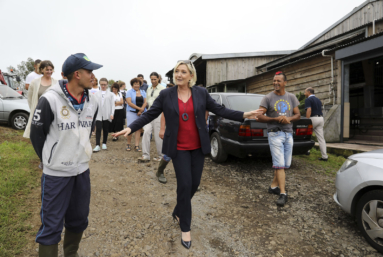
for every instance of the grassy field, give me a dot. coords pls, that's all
(19, 176)
(330, 167)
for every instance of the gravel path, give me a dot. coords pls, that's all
(233, 215)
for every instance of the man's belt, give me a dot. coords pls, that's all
(273, 130)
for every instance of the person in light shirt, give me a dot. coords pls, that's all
(105, 115)
(95, 87)
(33, 75)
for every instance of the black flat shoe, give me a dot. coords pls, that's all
(323, 159)
(187, 245)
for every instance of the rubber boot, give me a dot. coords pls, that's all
(71, 243)
(160, 172)
(48, 250)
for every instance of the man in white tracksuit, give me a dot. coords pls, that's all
(60, 133)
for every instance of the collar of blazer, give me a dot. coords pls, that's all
(174, 96)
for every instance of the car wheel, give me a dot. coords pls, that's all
(217, 153)
(369, 214)
(19, 120)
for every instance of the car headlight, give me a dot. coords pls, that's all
(347, 164)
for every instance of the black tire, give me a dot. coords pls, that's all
(217, 154)
(19, 121)
(366, 203)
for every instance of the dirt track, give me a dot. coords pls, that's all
(233, 215)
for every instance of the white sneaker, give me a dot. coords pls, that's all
(158, 159)
(96, 149)
(104, 147)
(143, 159)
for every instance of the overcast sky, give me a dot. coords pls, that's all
(132, 37)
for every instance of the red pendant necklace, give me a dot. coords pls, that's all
(185, 116)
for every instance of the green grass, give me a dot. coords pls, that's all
(18, 176)
(330, 167)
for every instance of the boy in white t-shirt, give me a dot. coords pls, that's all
(33, 75)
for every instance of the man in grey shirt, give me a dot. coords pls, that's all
(281, 109)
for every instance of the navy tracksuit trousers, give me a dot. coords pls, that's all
(64, 201)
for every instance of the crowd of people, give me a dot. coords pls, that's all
(66, 113)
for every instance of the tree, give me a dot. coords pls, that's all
(111, 82)
(22, 70)
(301, 98)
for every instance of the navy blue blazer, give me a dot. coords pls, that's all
(167, 102)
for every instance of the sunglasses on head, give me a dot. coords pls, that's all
(187, 62)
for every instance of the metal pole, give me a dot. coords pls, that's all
(342, 106)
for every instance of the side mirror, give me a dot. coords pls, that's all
(18, 78)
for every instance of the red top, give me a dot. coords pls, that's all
(188, 136)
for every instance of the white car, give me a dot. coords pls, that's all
(14, 108)
(359, 192)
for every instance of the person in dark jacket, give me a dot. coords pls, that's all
(143, 86)
(313, 108)
(186, 140)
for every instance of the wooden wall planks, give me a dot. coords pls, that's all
(221, 70)
(315, 72)
(367, 14)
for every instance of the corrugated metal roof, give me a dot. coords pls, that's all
(242, 55)
(329, 50)
(356, 9)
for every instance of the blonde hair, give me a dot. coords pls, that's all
(191, 70)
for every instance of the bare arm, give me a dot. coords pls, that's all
(308, 112)
(26, 86)
(266, 119)
(119, 103)
(144, 105)
(297, 115)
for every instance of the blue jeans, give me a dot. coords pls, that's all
(166, 158)
(281, 147)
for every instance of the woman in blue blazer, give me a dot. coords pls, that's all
(186, 139)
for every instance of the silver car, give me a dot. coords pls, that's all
(359, 191)
(14, 108)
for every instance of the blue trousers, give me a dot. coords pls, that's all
(64, 202)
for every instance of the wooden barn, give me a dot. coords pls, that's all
(344, 66)
(227, 72)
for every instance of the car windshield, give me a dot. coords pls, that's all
(244, 103)
(7, 92)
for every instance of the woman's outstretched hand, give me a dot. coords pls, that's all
(124, 132)
(253, 115)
